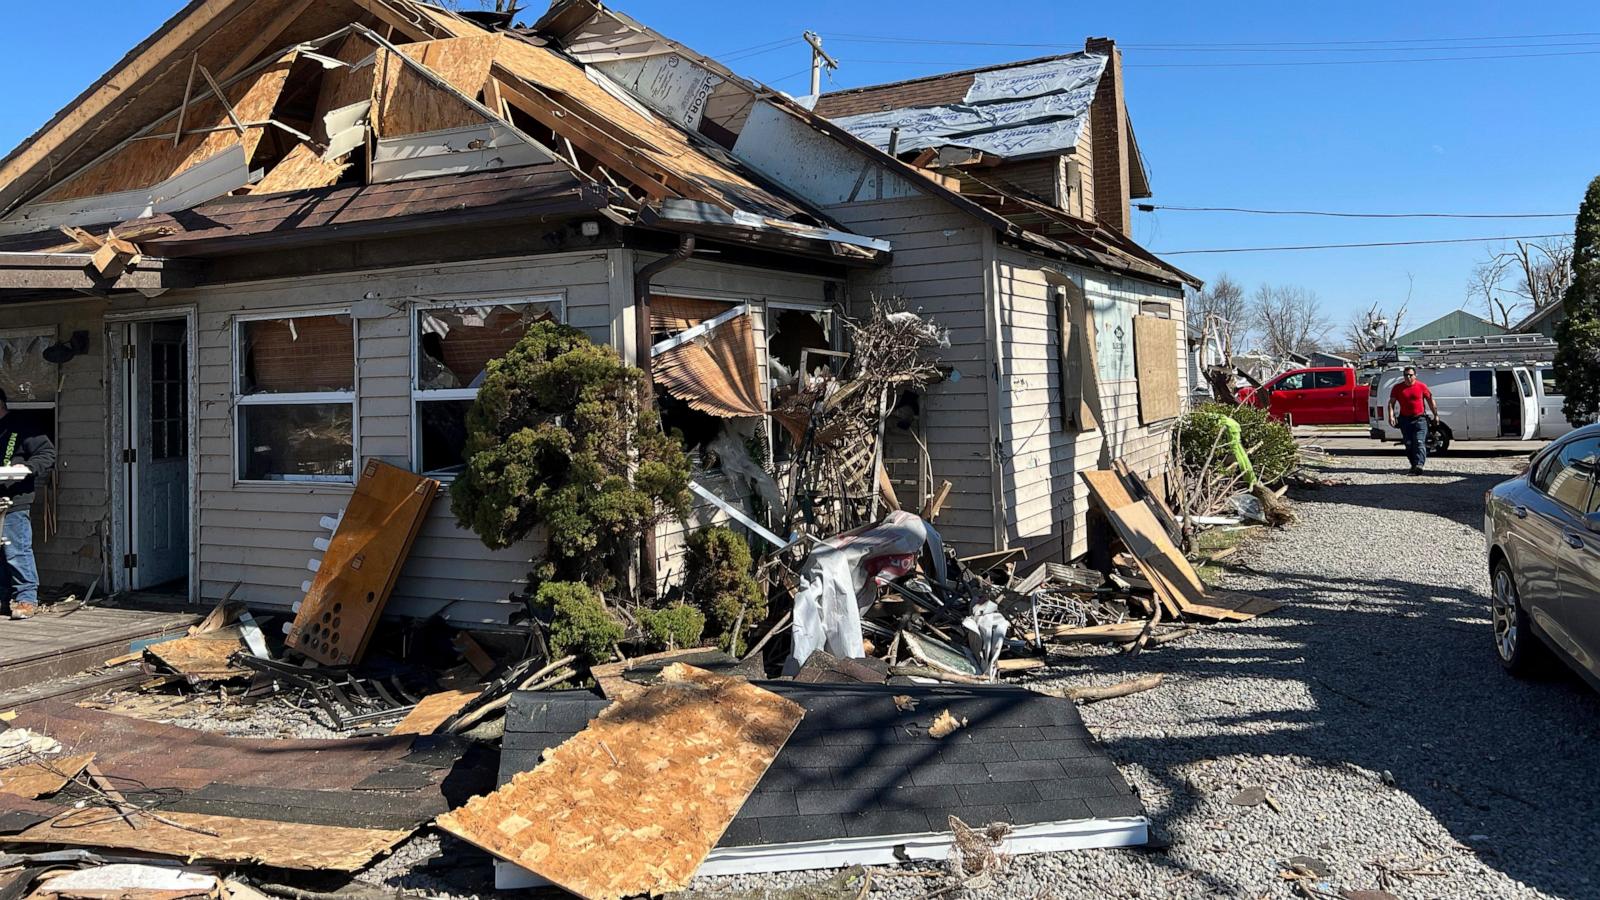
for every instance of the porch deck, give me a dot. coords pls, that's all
(41, 657)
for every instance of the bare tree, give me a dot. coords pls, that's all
(499, 6)
(1514, 283)
(1289, 319)
(1221, 311)
(1373, 329)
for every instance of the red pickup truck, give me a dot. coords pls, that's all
(1319, 396)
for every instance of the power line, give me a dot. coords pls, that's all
(887, 39)
(1233, 65)
(1214, 48)
(1483, 240)
(743, 50)
(761, 51)
(1152, 207)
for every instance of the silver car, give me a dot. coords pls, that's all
(1543, 530)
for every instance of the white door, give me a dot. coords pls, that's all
(1530, 404)
(160, 454)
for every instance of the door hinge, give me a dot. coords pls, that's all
(130, 560)
(130, 455)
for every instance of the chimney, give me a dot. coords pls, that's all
(1108, 118)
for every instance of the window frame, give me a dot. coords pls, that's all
(1318, 375)
(300, 398)
(1471, 388)
(416, 395)
(1545, 391)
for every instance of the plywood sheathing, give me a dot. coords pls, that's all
(203, 657)
(428, 715)
(1171, 576)
(145, 163)
(407, 103)
(634, 803)
(302, 169)
(284, 845)
(654, 145)
(350, 84)
(42, 778)
(1155, 342)
(361, 564)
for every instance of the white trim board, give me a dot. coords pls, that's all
(884, 850)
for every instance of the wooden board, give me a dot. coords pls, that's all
(634, 803)
(427, 716)
(41, 779)
(358, 572)
(283, 845)
(1155, 360)
(408, 103)
(145, 163)
(301, 170)
(1174, 580)
(203, 657)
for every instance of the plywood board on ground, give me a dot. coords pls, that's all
(204, 657)
(433, 710)
(361, 565)
(42, 778)
(634, 803)
(1168, 570)
(1155, 359)
(283, 845)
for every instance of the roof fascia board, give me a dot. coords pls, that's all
(196, 22)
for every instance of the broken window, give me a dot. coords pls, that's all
(295, 398)
(453, 346)
(28, 379)
(801, 341)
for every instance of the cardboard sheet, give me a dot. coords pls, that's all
(634, 803)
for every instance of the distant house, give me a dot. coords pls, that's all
(1543, 321)
(1322, 359)
(1455, 324)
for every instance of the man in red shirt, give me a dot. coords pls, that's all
(1411, 409)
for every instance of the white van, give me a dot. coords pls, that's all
(1483, 403)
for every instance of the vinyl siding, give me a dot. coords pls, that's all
(1046, 501)
(938, 270)
(75, 553)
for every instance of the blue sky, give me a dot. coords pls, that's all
(1505, 135)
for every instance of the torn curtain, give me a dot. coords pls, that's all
(716, 372)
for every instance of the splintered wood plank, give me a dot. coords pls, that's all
(361, 565)
(204, 657)
(1159, 559)
(282, 845)
(428, 715)
(634, 803)
(301, 169)
(42, 778)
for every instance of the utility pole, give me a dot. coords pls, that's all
(819, 58)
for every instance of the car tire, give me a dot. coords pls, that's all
(1516, 646)
(1438, 439)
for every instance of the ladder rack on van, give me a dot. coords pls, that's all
(1494, 351)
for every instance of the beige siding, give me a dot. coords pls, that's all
(938, 269)
(1045, 499)
(262, 535)
(1084, 154)
(74, 553)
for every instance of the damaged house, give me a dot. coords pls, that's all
(281, 239)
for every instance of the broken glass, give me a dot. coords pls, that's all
(25, 376)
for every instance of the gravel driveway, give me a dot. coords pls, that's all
(1370, 708)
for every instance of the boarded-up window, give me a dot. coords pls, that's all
(453, 347)
(1079, 387)
(1156, 356)
(295, 398)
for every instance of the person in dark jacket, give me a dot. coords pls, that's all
(21, 446)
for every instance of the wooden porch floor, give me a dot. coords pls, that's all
(40, 656)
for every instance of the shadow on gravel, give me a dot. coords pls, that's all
(1403, 680)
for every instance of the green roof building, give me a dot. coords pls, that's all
(1457, 324)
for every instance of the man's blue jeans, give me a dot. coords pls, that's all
(20, 583)
(1415, 431)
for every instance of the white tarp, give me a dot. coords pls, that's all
(668, 83)
(1009, 113)
(837, 582)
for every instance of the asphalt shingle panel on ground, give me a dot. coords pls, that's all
(1380, 661)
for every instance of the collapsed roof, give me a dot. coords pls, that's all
(254, 123)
